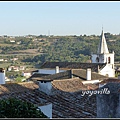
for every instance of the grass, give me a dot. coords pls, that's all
(4, 65)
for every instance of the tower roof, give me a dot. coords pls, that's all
(102, 48)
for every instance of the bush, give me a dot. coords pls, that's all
(15, 108)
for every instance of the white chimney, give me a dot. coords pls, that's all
(57, 69)
(88, 73)
(2, 76)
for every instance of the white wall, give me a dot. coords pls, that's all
(57, 69)
(111, 55)
(47, 110)
(108, 70)
(101, 85)
(90, 81)
(2, 78)
(49, 71)
(88, 73)
(103, 58)
(26, 74)
(45, 87)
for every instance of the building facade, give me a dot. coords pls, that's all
(103, 56)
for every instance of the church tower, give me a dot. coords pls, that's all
(103, 56)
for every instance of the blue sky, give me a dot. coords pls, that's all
(59, 17)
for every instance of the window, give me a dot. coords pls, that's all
(97, 59)
(108, 59)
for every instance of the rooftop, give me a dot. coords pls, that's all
(81, 73)
(64, 104)
(74, 65)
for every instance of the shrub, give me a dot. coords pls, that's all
(15, 108)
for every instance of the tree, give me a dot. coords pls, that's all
(15, 108)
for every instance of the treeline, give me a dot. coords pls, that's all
(76, 48)
(61, 48)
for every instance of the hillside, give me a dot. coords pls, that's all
(38, 49)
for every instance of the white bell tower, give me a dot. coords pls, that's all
(103, 56)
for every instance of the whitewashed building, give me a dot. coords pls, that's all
(103, 56)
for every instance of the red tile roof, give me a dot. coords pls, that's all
(64, 104)
(81, 73)
(74, 65)
(110, 80)
(69, 85)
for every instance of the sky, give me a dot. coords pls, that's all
(19, 18)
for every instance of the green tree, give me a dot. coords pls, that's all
(15, 108)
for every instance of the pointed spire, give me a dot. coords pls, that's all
(102, 48)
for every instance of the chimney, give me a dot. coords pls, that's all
(57, 69)
(71, 73)
(2, 76)
(98, 68)
(88, 73)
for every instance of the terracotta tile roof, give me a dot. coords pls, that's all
(61, 75)
(69, 85)
(64, 104)
(72, 105)
(92, 86)
(113, 80)
(37, 76)
(24, 91)
(81, 73)
(74, 65)
(14, 87)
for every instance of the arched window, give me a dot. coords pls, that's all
(97, 59)
(109, 59)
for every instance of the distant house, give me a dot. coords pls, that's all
(13, 41)
(26, 74)
(1, 59)
(22, 68)
(19, 42)
(14, 59)
(16, 68)
(5, 60)
(13, 68)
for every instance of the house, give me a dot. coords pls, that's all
(26, 73)
(1, 59)
(61, 104)
(59, 95)
(75, 79)
(22, 68)
(12, 41)
(102, 62)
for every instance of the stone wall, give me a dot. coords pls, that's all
(108, 105)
